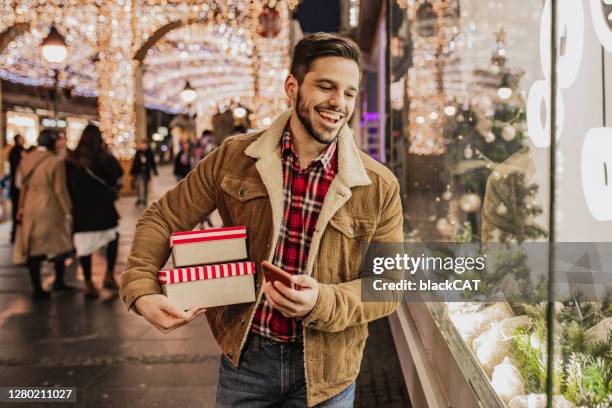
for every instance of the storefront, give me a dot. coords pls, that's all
(470, 128)
(22, 123)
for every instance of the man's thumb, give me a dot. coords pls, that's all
(304, 281)
(172, 309)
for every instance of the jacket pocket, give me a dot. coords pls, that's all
(242, 189)
(342, 245)
(352, 226)
(246, 202)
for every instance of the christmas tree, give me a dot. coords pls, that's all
(486, 131)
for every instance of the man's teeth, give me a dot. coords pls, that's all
(329, 115)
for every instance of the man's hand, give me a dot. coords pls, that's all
(293, 302)
(162, 313)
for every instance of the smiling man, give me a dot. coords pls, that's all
(309, 198)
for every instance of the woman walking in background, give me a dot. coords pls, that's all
(93, 182)
(44, 213)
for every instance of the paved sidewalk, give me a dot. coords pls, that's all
(115, 359)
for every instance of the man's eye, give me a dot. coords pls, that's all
(325, 88)
(350, 95)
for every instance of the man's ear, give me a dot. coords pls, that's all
(291, 87)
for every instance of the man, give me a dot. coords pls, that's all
(14, 160)
(142, 166)
(308, 199)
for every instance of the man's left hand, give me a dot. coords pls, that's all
(293, 302)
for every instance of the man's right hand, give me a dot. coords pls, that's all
(158, 310)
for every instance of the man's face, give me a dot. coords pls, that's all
(325, 100)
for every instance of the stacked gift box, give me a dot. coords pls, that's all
(210, 268)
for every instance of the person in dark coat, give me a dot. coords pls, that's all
(182, 162)
(142, 167)
(94, 177)
(14, 159)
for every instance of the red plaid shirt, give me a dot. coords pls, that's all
(304, 191)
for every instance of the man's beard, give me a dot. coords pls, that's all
(302, 114)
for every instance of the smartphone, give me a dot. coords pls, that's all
(274, 273)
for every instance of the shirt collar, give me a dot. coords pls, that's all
(324, 159)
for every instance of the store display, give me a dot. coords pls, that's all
(492, 346)
(495, 145)
(507, 381)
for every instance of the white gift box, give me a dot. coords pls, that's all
(209, 285)
(212, 246)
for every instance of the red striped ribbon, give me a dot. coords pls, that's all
(189, 237)
(204, 272)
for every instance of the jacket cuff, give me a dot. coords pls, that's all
(317, 318)
(137, 288)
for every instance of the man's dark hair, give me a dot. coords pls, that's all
(319, 45)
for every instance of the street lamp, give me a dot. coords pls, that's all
(54, 51)
(188, 94)
(54, 48)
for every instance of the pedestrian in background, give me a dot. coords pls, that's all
(44, 213)
(14, 159)
(182, 162)
(142, 167)
(94, 176)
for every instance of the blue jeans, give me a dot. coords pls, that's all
(270, 374)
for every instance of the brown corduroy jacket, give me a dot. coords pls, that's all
(243, 180)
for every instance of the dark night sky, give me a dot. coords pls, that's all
(319, 15)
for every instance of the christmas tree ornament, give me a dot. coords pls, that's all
(494, 69)
(447, 195)
(443, 226)
(469, 202)
(501, 209)
(508, 133)
(489, 137)
(468, 153)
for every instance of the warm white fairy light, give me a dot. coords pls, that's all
(432, 59)
(221, 55)
(353, 13)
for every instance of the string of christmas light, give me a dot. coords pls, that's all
(103, 36)
(432, 26)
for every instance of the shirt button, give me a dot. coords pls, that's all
(351, 229)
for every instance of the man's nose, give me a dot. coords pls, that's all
(337, 99)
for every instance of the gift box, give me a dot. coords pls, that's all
(209, 285)
(212, 246)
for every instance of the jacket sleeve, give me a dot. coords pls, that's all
(339, 305)
(179, 209)
(60, 187)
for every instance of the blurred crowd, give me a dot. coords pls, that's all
(63, 201)
(191, 152)
(63, 204)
